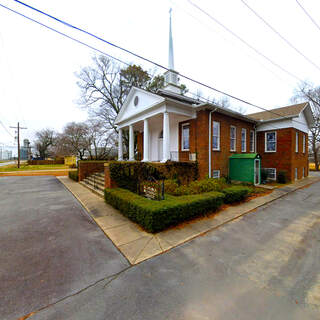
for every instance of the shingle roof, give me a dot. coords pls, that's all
(293, 110)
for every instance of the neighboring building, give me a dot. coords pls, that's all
(25, 150)
(5, 154)
(171, 126)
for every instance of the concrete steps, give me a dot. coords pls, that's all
(95, 183)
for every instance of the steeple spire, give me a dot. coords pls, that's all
(171, 62)
(171, 76)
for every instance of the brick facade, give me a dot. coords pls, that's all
(285, 157)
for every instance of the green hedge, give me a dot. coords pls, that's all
(129, 175)
(195, 187)
(236, 193)
(155, 216)
(74, 175)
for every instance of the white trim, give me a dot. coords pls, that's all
(235, 139)
(245, 139)
(184, 125)
(265, 141)
(304, 143)
(218, 148)
(252, 141)
(217, 172)
(297, 141)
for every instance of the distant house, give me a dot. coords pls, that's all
(171, 126)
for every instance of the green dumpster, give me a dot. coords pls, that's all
(245, 167)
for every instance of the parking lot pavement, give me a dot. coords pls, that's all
(50, 247)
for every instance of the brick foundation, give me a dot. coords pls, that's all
(108, 182)
(88, 167)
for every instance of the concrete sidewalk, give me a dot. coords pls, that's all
(138, 245)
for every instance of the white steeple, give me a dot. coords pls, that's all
(171, 61)
(171, 76)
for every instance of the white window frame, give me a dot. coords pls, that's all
(297, 141)
(275, 173)
(265, 141)
(216, 174)
(184, 125)
(218, 148)
(304, 143)
(245, 139)
(252, 141)
(233, 139)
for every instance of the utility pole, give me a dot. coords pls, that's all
(19, 128)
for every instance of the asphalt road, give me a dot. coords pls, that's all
(49, 246)
(265, 265)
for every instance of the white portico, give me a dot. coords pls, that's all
(157, 116)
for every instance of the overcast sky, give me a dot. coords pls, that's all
(38, 83)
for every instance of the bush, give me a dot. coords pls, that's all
(155, 216)
(264, 175)
(74, 175)
(236, 193)
(129, 175)
(195, 187)
(282, 176)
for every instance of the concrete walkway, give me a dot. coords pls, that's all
(138, 245)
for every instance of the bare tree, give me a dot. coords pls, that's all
(45, 140)
(73, 140)
(308, 92)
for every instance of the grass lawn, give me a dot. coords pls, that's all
(26, 167)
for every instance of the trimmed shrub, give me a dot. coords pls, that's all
(74, 175)
(263, 175)
(236, 193)
(195, 187)
(155, 216)
(282, 176)
(129, 175)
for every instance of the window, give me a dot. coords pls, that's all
(216, 174)
(243, 140)
(233, 136)
(270, 141)
(296, 173)
(216, 136)
(303, 172)
(185, 137)
(271, 173)
(297, 141)
(304, 144)
(251, 141)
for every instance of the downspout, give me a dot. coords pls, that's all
(210, 143)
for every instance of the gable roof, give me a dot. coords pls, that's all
(288, 112)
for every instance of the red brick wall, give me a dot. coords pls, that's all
(88, 167)
(285, 158)
(140, 145)
(199, 141)
(220, 159)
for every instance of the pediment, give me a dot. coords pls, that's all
(137, 101)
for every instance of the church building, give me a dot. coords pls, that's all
(171, 126)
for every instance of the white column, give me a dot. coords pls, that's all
(166, 137)
(131, 143)
(120, 146)
(145, 140)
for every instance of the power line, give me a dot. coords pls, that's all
(4, 127)
(306, 12)
(244, 41)
(280, 35)
(134, 54)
